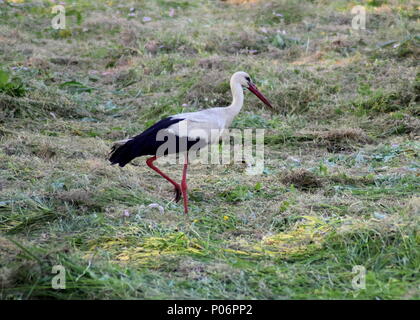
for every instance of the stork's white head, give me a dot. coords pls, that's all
(242, 78)
(245, 81)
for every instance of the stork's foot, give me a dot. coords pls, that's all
(178, 194)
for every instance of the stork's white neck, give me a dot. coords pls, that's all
(238, 99)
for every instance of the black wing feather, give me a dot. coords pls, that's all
(143, 144)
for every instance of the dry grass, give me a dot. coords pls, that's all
(338, 140)
(302, 179)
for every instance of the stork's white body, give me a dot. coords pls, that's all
(209, 124)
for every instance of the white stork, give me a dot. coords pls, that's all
(206, 122)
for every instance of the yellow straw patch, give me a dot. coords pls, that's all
(148, 250)
(305, 238)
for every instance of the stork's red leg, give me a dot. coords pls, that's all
(184, 185)
(149, 162)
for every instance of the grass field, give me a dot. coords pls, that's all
(340, 186)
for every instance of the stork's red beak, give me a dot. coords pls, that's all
(252, 87)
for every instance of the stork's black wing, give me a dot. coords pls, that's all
(143, 144)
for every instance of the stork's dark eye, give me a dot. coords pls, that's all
(248, 79)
